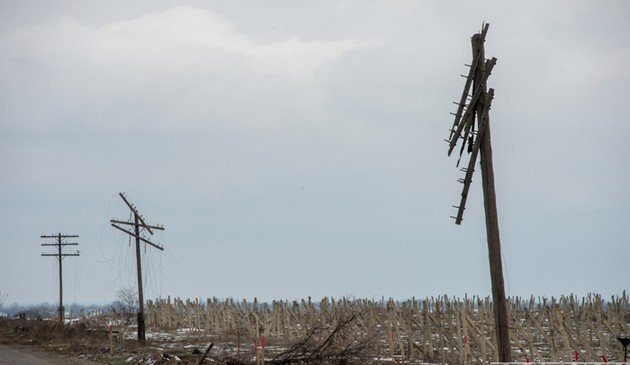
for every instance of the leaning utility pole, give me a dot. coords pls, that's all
(478, 107)
(138, 224)
(60, 255)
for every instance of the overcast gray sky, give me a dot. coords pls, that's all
(296, 148)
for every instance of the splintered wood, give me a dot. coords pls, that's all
(478, 107)
(440, 330)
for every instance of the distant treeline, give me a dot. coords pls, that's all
(47, 310)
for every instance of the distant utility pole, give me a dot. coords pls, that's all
(138, 224)
(60, 255)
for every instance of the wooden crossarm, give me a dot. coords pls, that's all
(161, 228)
(468, 115)
(470, 124)
(473, 156)
(138, 237)
(133, 209)
(469, 80)
(62, 255)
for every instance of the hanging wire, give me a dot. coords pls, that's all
(76, 287)
(54, 288)
(161, 285)
(120, 263)
(507, 274)
(114, 271)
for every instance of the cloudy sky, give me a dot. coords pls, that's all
(296, 149)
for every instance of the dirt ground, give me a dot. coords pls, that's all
(29, 355)
(90, 341)
(80, 341)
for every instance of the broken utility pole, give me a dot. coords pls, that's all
(60, 255)
(138, 224)
(478, 108)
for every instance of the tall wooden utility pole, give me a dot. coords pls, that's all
(478, 108)
(138, 224)
(60, 255)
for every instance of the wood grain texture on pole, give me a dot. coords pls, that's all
(492, 230)
(141, 329)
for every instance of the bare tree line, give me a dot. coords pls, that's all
(125, 304)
